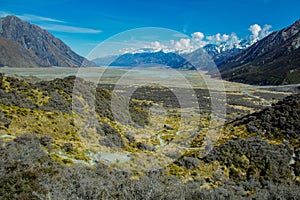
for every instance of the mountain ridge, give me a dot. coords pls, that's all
(272, 60)
(13, 54)
(172, 60)
(50, 50)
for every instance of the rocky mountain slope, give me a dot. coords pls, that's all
(273, 60)
(219, 55)
(13, 54)
(49, 50)
(210, 56)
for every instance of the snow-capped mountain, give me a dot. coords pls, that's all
(274, 60)
(172, 60)
(206, 57)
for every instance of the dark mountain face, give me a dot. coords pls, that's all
(50, 50)
(200, 58)
(172, 60)
(13, 54)
(210, 56)
(273, 60)
(222, 57)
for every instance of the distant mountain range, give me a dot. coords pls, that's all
(27, 45)
(172, 60)
(273, 60)
(203, 58)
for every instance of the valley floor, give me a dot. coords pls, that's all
(141, 121)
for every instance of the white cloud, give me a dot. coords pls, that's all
(198, 39)
(179, 35)
(4, 14)
(183, 45)
(265, 31)
(255, 29)
(233, 41)
(141, 46)
(197, 36)
(69, 29)
(157, 45)
(28, 17)
(218, 38)
(50, 24)
(225, 37)
(259, 33)
(185, 42)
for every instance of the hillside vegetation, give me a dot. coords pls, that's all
(46, 153)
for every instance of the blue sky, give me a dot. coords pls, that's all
(84, 24)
